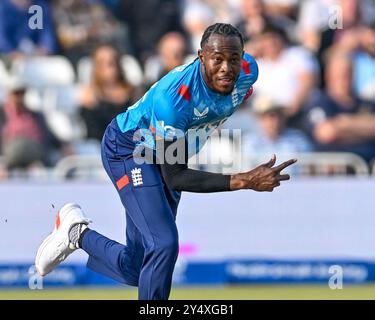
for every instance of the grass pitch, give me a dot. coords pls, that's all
(253, 292)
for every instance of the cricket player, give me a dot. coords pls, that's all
(197, 96)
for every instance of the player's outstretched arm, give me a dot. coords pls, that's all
(180, 178)
(265, 177)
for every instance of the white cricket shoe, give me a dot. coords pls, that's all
(58, 245)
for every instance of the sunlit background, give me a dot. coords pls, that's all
(68, 67)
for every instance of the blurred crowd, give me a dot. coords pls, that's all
(60, 85)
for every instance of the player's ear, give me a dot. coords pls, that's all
(200, 54)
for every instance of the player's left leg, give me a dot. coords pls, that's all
(70, 223)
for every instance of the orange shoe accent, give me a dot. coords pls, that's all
(122, 182)
(58, 220)
(152, 129)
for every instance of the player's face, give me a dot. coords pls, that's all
(221, 61)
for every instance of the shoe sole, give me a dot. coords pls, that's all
(40, 251)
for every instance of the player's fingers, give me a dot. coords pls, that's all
(283, 177)
(271, 162)
(285, 164)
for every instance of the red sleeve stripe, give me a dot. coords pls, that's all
(184, 91)
(246, 67)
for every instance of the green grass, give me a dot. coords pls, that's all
(264, 292)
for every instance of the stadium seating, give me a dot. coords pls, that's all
(83, 167)
(44, 71)
(52, 90)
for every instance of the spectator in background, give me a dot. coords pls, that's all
(82, 24)
(108, 94)
(272, 136)
(352, 15)
(197, 17)
(364, 64)
(286, 8)
(337, 119)
(17, 39)
(313, 19)
(226, 11)
(25, 137)
(172, 53)
(254, 19)
(148, 21)
(288, 72)
(320, 20)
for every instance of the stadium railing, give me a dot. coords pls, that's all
(308, 164)
(90, 167)
(80, 167)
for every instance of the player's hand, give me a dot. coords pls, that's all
(265, 177)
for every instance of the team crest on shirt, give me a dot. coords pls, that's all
(137, 177)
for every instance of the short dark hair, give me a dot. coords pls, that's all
(224, 29)
(271, 28)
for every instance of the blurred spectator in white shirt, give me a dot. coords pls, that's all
(197, 16)
(287, 8)
(225, 11)
(288, 74)
(313, 18)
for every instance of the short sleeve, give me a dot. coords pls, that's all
(250, 69)
(170, 117)
(248, 76)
